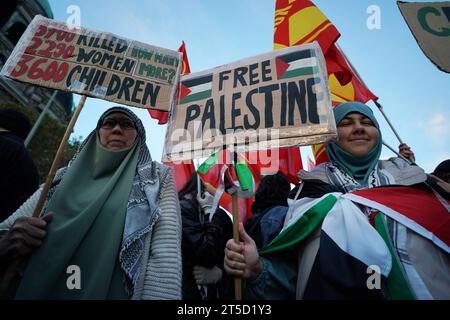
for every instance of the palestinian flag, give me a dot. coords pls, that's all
(414, 207)
(241, 177)
(301, 63)
(217, 173)
(195, 89)
(350, 250)
(210, 171)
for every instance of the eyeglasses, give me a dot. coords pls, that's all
(125, 124)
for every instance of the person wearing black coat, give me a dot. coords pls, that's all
(269, 209)
(203, 243)
(19, 177)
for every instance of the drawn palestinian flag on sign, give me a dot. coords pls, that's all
(195, 89)
(301, 63)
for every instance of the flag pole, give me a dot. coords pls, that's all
(375, 101)
(234, 202)
(410, 161)
(11, 271)
(380, 107)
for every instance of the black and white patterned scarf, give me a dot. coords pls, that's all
(132, 248)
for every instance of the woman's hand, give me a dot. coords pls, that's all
(406, 151)
(205, 275)
(242, 259)
(24, 237)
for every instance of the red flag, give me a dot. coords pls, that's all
(286, 160)
(299, 22)
(337, 65)
(181, 172)
(185, 69)
(163, 116)
(345, 84)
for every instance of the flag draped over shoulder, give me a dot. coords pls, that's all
(299, 22)
(349, 245)
(407, 205)
(350, 241)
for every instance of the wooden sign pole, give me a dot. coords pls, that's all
(237, 281)
(234, 202)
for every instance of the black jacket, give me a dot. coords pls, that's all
(19, 177)
(203, 244)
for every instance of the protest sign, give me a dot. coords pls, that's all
(429, 22)
(95, 64)
(273, 100)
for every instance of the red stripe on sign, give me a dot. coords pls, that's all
(281, 67)
(184, 91)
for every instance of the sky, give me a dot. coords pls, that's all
(414, 93)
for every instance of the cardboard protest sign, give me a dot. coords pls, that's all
(273, 100)
(429, 22)
(96, 64)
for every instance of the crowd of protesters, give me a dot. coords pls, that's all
(115, 214)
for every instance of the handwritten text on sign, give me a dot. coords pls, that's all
(96, 64)
(278, 99)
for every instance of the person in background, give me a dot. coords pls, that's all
(269, 209)
(442, 171)
(204, 236)
(440, 178)
(19, 177)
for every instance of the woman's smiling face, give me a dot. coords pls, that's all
(357, 134)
